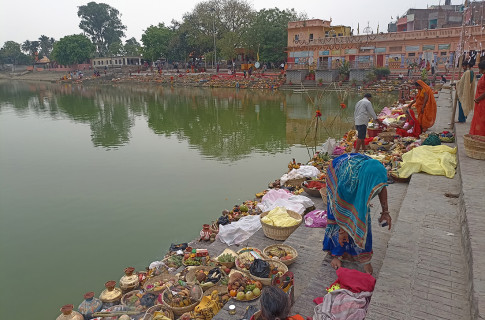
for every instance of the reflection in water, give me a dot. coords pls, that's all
(224, 124)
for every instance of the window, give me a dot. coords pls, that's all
(395, 49)
(340, 34)
(443, 53)
(411, 54)
(326, 33)
(311, 37)
(297, 37)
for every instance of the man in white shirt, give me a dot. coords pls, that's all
(363, 112)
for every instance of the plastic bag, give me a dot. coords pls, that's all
(260, 268)
(316, 219)
(223, 220)
(177, 247)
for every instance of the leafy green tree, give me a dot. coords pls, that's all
(156, 40)
(227, 20)
(268, 34)
(72, 49)
(116, 49)
(132, 47)
(31, 47)
(178, 48)
(46, 44)
(11, 53)
(102, 23)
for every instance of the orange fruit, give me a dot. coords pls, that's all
(233, 293)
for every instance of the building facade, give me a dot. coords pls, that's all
(116, 61)
(395, 50)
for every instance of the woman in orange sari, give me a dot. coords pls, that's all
(425, 105)
(478, 123)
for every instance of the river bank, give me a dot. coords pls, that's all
(312, 269)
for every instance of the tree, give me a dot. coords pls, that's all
(156, 40)
(116, 49)
(268, 34)
(31, 47)
(132, 47)
(72, 49)
(227, 20)
(102, 23)
(46, 45)
(11, 53)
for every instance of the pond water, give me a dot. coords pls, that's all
(96, 179)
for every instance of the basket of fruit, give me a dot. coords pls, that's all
(281, 252)
(280, 232)
(246, 256)
(140, 301)
(157, 311)
(378, 146)
(159, 283)
(227, 259)
(180, 299)
(274, 268)
(242, 287)
(199, 258)
(205, 277)
(174, 261)
(313, 187)
(294, 182)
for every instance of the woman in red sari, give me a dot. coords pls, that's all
(478, 123)
(413, 129)
(425, 105)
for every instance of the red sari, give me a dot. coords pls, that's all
(478, 122)
(413, 122)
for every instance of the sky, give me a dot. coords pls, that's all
(22, 20)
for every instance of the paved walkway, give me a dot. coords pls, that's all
(424, 274)
(472, 213)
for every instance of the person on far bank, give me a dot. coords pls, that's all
(362, 114)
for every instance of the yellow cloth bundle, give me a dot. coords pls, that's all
(279, 217)
(435, 160)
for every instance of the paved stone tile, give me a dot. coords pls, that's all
(429, 233)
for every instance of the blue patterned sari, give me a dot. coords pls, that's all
(352, 181)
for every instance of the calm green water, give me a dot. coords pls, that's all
(95, 179)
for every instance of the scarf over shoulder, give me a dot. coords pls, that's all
(353, 180)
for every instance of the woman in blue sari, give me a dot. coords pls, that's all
(352, 181)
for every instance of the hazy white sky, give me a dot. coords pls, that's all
(22, 20)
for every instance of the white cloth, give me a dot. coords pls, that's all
(302, 172)
(282, 198)
(239, 231)
(363, 112)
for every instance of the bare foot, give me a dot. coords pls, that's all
(368, 268)
(336, 263)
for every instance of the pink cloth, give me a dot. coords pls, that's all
(275, 194)
(354, 280)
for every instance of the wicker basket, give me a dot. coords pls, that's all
(387, 135)
(222, 290)
(149, 313)
(375, 146)
(163, 277)
(245, 271)
(280, 233)
(474, 142)
(267, 281)
(190, 277)
(294, 182)
(178, 311)
(474, 146)
(312, 191)
(128, 295)
(287, 248)
(323, 193)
